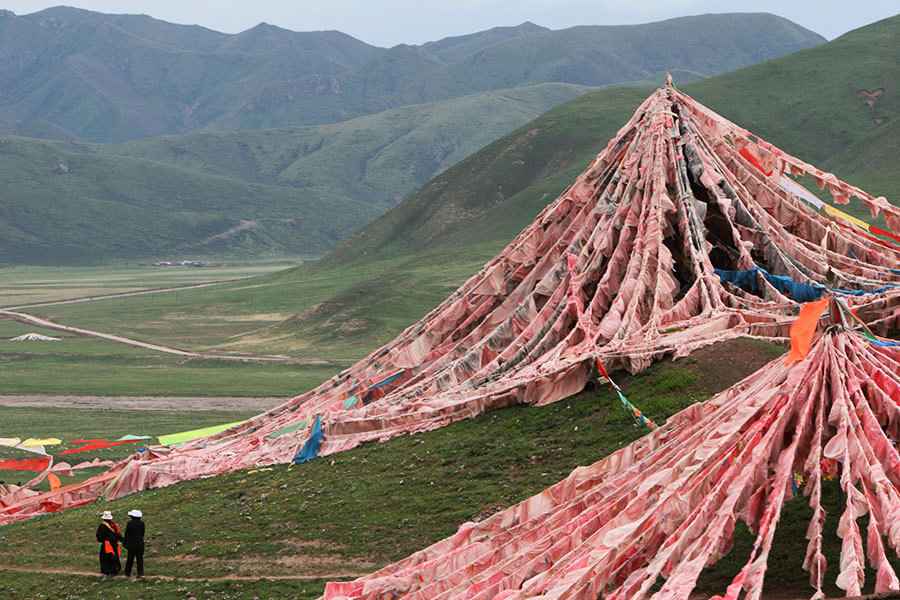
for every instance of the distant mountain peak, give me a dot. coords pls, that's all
(263, 26)
(526, 27)
(263, 29)
(531, 26)
(61, 11)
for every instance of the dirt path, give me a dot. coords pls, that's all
(191, 286)
(316, 577)
(40, 322)
(141, 402)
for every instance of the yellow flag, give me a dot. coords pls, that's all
(195, 434)
(33, 442)
(839, 214)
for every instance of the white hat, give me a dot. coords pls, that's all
(106, 516)
(135, 513)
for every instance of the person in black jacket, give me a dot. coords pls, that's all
(134, 542)
(108, 536)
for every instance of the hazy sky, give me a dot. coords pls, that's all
(390, 22)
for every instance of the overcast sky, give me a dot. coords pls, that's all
(390, 22)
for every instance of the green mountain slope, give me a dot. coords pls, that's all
(602, 55)
(61, 205)
(814, 102)
(542, 157)
(873, 161)
(376, 159)
(286, 191)
(74, 74)
(808, 103)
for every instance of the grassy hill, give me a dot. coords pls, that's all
(872, 161)
(361, 509)
(377, 159)
(251, 193)
(70, 73)
(495, 192)
(61, 204)
(602, 55)
(356, 511)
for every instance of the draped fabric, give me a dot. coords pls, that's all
(621, 268)
(663, 508)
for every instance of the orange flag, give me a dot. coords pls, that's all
(54, 481)
(804, 329)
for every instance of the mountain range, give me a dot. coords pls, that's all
(292, 191)
(70, 73)
(257, 160)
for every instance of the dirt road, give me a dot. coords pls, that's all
(41, 322)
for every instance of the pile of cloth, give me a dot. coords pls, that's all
(625, 268)
(34, 337)
(645, 521)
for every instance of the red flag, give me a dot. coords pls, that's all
(25, 464)
(884, 232)
(752, 159)
(601, 369)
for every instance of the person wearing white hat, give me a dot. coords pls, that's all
(108, 536)
(134, 542)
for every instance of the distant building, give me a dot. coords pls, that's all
(181, 263)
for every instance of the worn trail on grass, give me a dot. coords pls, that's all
(167, 403)
(314, 577)
(41, 322)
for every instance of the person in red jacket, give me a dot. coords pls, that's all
(108, 536)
